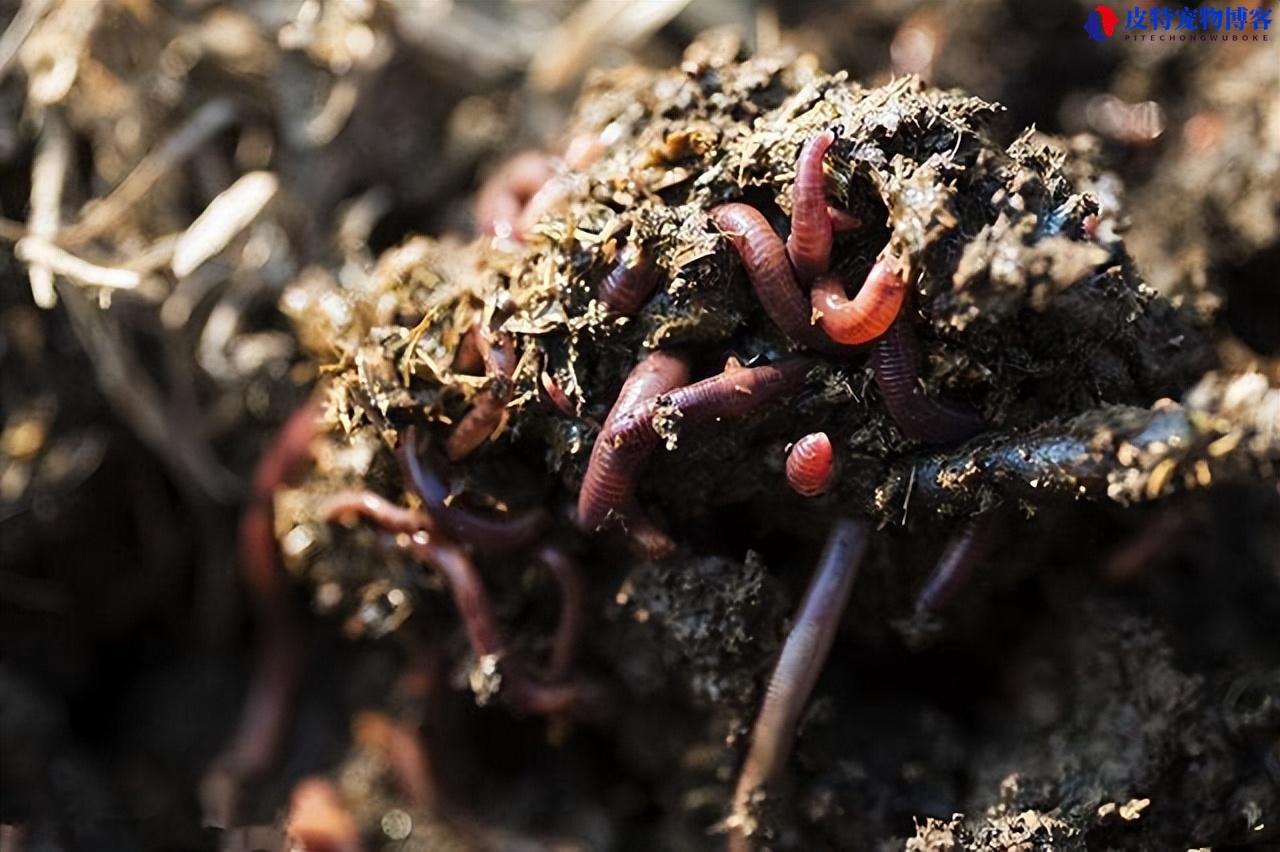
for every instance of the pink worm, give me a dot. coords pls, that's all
(568, 576)
(464, 581)
(628, 285)
(869, 314)
(810, 465)
(504, 196)
(260, 732)
(486, 411)
(373, 507)
(629, 440)
(896, 360)
(519, 689)
(803, 655)
(610, 478)
(955, 567)
(809, 245)
(486, 532)
(770, 272)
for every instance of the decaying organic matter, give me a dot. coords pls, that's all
(1011, 318)
(535, 576)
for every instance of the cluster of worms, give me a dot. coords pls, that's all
(447, 537)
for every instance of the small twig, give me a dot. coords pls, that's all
(227, 215)
(47, 259)
(29, 14)
(100, 215)
(48, 178)
(126, 385)
(11, 231)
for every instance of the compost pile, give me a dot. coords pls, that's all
(442, 647)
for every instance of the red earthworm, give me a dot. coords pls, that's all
(955, 567)
(626, 442)
(487, 409)
(557, 396)
(468, 359)
(629, 440)
(568, 576)
(610, 477)
(770, 273)
(803, 655)
(465, 583)
(505, 194)
(867, 315)
(628, 285)
(530, 696)
(737, 391)
(467, 589)
(483, 634)
(260, 731)
(488, 533)
(319, 821)
(374, 507)
(896, 360)
(810, 465)
(288, 454)
(809, 245)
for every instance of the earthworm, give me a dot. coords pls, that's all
(810, 465)
(796, 672)
(568, 576)
(552, 194)
(467, 589)
(487, 408)
(319, 821)
(467, 359)
(557, 396)
(626, 442)
(809, 245)
(260, 731)
(737, 391)
(610, 477)
(896, 360)
(518, 689)
(628, 285)
(504, 196)
(485, 532)
(770, 272)
(581, 152)
(376, 508)
(867, 315)
(955, 567)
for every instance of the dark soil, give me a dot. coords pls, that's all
(1105, 301)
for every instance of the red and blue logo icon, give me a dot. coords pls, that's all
(1101, 23)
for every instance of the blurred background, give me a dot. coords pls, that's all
(168, 168)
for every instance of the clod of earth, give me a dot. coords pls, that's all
(649, 350)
